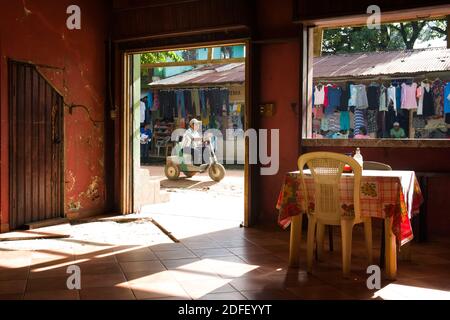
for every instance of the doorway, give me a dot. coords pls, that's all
(167, 89)
(36, 147)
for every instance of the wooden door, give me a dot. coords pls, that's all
(36, 147)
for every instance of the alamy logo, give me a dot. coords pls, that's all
(74, 281)
(74, 20)
(264, 148)
(374, 21)
(374, 281)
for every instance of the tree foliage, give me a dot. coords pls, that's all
(397, 36)
(160, 57)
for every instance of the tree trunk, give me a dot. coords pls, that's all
(448, 32)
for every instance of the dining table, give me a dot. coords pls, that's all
(394, 196)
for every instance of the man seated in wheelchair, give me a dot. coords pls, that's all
(192, 144)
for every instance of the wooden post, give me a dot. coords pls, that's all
(318, 41)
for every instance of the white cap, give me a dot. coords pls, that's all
(194, 122)
(396, 124)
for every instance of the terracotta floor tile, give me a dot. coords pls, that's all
(270, 295)
(48, 272)
(106, 294)
(153, 290)
(198, 289)
(90, 268)
(211, 253)
(12, 286)
(249, 250)
(51, 284)
(14, 274)
(136, 256)
(167, 247)
(180, 263)
(103, 281)
(142, 266)
(202, 245)
(228, 296)
(52, 295)
(324, 292)
(143, 276)
(11, 297)
(172, 255)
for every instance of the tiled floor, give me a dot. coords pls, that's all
(233, 264)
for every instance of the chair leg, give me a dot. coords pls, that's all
(310, 244)
(369, 239)
(320, 240)
(347, 237)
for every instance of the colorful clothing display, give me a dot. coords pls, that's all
(377, 106)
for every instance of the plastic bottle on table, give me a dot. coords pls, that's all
(358, 157)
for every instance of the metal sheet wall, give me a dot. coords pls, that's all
(36, 147)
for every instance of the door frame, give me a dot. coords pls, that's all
(126, 150)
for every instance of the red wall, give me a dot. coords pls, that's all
(279, 83)
(36, 31)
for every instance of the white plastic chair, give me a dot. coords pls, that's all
(327, 169)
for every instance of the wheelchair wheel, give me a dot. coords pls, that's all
(217, 172)
(172, 172)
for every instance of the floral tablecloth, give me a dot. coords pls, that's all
(384, 194)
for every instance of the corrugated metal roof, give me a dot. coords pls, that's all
(382, 63)
(208, 75)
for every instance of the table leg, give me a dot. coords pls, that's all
(390, 250)
(296, 238)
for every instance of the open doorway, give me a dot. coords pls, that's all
(187, 120)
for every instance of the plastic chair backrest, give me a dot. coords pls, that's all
(327, 169)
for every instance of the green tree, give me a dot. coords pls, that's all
(157, 57)
(160, 57)
(398, 36)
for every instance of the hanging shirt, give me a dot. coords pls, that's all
(334, 122)
(319, 95)
(438, 94)
(318, 112)
(372, 121)
(359, 96)
(345, 120)
(373, 96)
(392, 97)
(360, 120)
(156, 104)
(409, 96)
(447, 98)
(428, 101)
(383, 99)
(196, 102)
(334, 99)
(345, 96)
(324, 124)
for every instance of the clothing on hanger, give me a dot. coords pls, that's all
(409, 96)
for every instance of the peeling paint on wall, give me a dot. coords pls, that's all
(93, 192)
(70, 181)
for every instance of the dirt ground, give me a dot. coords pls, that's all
(199, 205)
